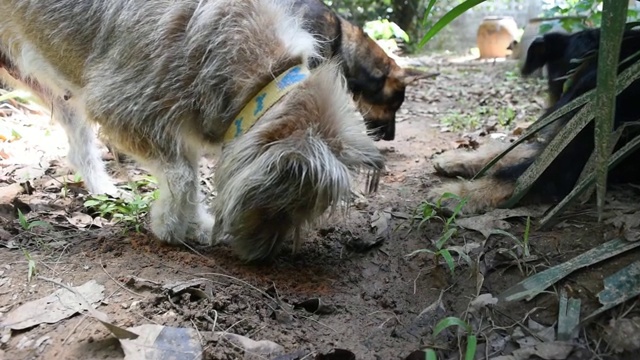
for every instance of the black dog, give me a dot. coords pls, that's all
(562, 174)
(556, 50)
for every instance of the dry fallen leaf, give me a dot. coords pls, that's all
(53, 308)
(380, 222)
(10, 192)
(80, 220)
(495, 219)
(481, 302)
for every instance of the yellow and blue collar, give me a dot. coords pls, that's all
(264, 100)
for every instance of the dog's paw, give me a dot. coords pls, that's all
(168, 234)
(478, 195)
(202, 231)
(453, 164)
(166, 227)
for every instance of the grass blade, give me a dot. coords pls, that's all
(447, 18)
(427, 12)
(448, 322)
(614, 13)
(430, 355)
(445, 237)
(446, 255)
(472, 345)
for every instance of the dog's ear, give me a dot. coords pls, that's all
(409, 75)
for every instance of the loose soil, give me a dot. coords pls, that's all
(380, 303)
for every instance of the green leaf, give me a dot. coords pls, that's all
(451, 321)
(509, 235)
(420, 251)
(446, 196)
(472, 345)
(445, 237)
(460, 251)
(430, 354)
(39, 223)
(447, 18)
(23, 220)
(614, 14)
(428, 12)
(446, 255)
(91, 203)
(456, 211)
(16, 135)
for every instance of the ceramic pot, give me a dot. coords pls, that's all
(495, 34)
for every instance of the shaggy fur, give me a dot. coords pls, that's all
(165, 78)
(376, 81)
(561, 175)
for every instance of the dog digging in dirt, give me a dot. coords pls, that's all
(497, 186)
(168, 80)
(376, 81)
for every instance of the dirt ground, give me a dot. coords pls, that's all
(376, 301)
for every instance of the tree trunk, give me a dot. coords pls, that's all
(404, 14)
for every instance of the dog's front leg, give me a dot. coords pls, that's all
(180, 212)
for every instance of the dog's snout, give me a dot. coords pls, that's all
(382, 130)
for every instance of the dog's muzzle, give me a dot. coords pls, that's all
(382, 130)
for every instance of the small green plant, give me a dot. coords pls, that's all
(30, 225)
(457, 121)
(522, 245)
(31, 265)
(578, 15)
(512, 75)
(384, 30)
(472, 339)
(506, 115)
(15, 135)
(429, 211)
(128, 211)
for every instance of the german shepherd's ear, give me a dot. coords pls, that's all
(409, 75)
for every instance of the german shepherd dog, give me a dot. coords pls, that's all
(376, 81)
(169, 79)
(560, 177)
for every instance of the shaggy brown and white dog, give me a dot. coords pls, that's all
(167, 80)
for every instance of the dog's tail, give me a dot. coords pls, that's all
(297, 163)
